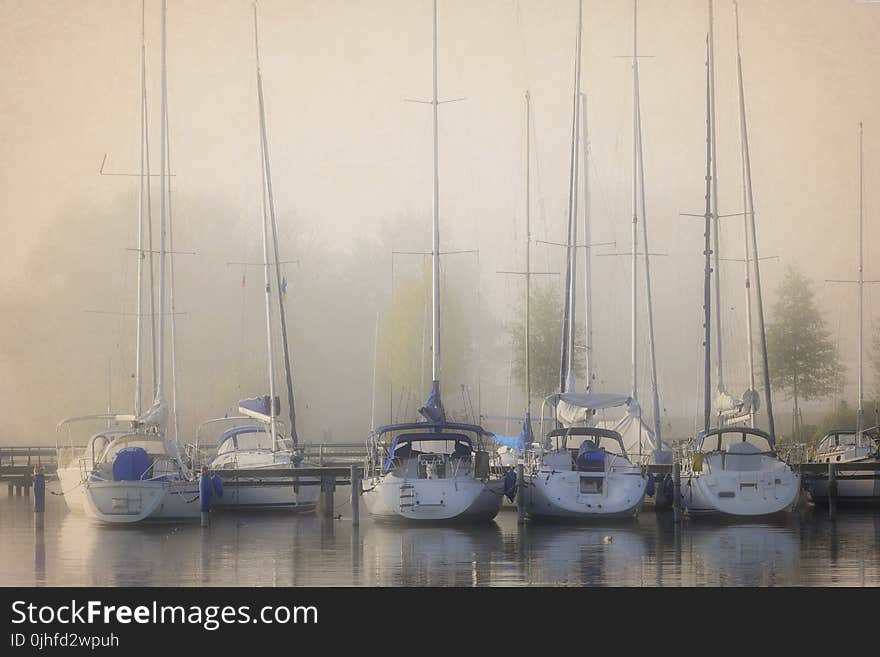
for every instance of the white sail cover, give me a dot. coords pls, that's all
(639, 440)
(577, 408)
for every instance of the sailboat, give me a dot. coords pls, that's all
(859, 445)
(140, 474)
(643, 443)
(75, 460)
(734, 469)
(580, 471)
(259, 443)
(435, 470)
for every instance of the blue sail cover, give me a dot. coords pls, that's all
(518, 443)
(261, 405)
(433, 409)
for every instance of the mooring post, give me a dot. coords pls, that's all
(520, 492)
(832, 490)
(328, 486)
(206, 492)
(676, 490)
(355, 495)
(39, 496)
(321, 455)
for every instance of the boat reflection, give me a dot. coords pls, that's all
(401, 555)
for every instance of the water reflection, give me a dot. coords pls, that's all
(284, 549)
(740, 554)
(401, 555)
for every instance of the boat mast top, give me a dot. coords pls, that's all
(635, 206)
(860, 415)
(719, 367)
(140, 247)
(435, 245)
(566, 369)
(746, 219)
(637, 138)
(160, 380)
(750, 213)
(528, 255)
(265, 232)
(707, 252)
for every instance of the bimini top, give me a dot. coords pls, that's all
(585, 431)
(229, 434)
(714, 439)
(437, 427)
(402, 445)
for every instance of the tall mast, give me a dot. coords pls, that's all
(746, 250)
(160, 381)
(750, 213)
(528, 254)
(860, 415)
(140, 268)
(655, 393)
(266, 261)
(716, 244)
(435, 245)
(588, 283)
(291, 406)
(173, 317)
(635, 205)
(145, 137)
(566, 374)
(707, 251)
(375, 357)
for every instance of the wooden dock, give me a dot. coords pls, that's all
(17, 466)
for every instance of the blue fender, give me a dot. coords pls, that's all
(218, 485)
(650, 488)
(510, 484)
(206, 491)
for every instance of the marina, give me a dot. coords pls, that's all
(361, 377)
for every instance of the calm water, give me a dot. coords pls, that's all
(284, 550)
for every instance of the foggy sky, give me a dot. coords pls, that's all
(349, 156)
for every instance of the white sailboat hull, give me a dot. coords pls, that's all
(70, 480)
(251, 494)
(432, 500)
(749, 493)
(125, 502)
(558, 495)
(848, 488)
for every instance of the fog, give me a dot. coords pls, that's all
(351, 164)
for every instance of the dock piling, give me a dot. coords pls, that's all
(676, 490)
(832, 490)
(520, 489)
(328, 486)
(355, 495)
(39, 496)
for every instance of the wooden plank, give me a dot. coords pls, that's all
(284, 473)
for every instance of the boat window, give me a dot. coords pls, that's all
(724, 441)
(611, 445)
(254, 440)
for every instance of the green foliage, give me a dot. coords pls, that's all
(545, 341)
(804, 363)
(405, 341)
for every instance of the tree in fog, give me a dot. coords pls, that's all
(405, 345)
(804, 363)
(545, 341)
